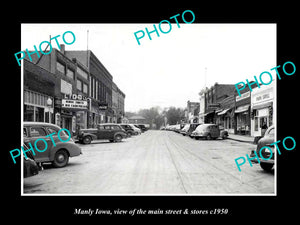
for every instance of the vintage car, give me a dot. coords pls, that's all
(185, 129)
(266, 140)
(30, 167)
(192, 127)
(58, 152)
(206, 130)
(129, 130)
(106, 131)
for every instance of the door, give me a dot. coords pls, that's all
(103, 132)
(41, 149)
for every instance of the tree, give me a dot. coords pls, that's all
(174, 115)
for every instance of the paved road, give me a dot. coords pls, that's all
(156, 162)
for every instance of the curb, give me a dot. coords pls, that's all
(249, 142)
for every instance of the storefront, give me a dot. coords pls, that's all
(71, 112)
(242, 113)
(262, 105)
(38, 107)
(225, 114)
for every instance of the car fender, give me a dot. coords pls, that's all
(93, 136)
(121, 133)
(70, 147)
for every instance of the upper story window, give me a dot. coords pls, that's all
(60, 67)
(82, 73)
(70, 74)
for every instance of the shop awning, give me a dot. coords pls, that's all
(223, 112)
(261, 106)
(241, 109)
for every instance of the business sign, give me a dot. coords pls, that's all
(103, 106)
(74, 104)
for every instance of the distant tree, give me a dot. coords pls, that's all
(174, 115)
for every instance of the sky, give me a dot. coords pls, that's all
(170, 69)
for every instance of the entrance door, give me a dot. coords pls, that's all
(66, 122)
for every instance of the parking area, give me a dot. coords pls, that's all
(155, 162)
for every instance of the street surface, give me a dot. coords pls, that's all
(156, 162)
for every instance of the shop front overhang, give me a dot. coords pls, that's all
(261, 106)
(223, 112)
(243, 108)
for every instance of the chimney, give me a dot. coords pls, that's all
(62, 48)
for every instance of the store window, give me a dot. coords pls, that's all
(39, 114)
(28, 113)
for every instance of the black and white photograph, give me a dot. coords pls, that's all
(132, 112)
(166, 116)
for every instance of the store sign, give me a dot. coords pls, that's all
(74, 104)
(103, 106)
(74, 97)
(243, 96)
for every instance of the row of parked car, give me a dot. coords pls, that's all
(199, 130)
(58, 152)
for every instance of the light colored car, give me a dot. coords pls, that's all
(206, 130)
(58, 152)
(135, 129)
(185, 129)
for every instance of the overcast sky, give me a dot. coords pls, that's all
(168, 70)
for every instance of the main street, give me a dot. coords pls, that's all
(156, 162)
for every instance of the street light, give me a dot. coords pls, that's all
(49, 104)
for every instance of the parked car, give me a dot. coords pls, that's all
(106, 131)
(177, 128)
(207, 130)
(141, 126)
(266, 140)
(129, 130)
(30, 167)
(192, 127)
(57, 153)
(136, 130)
(185, 129)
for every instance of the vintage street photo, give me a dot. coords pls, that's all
(149, 109)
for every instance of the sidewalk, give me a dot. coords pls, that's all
(242, 138)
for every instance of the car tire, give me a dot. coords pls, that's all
(266, 166)
(197, 138)
(208, 137)
(61, 159)
(225, 136)
(129, 134)
(87, 140)
(111, 140)
(118, 138)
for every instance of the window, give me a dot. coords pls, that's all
(85, 88)
(37, 131)
(70, 74)
(25, 132)
(52, 130)
(79, 85)
(107, 127)
(101, 127)
(82, 73)
(60, 67)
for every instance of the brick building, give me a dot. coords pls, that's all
(78, 84)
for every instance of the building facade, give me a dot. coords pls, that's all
(192, 112)
(213, 97)
(69, 88)
(262, 106)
